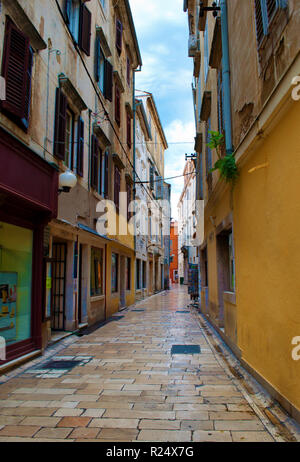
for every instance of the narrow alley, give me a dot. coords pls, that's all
(153, 372)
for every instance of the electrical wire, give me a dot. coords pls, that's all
(96, 91)
(165, 179)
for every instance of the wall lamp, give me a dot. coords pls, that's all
(67, 181)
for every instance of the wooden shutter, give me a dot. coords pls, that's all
(119, 33)
(94, 163)
(97, 59)
(80, 146)
(67, 10)
(85, 23)
(128, 71)
(117, 187)
(151, 177)
(16, 70)
(259, 22)
(128, 130)
(128, 190)
(117, 105)
(271, 8)
(106, 174)
(108, 80)
(60, 125)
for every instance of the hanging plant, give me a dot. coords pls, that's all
(225, 164)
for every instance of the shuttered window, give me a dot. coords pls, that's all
(85, 23)
(95, 163)
(60, 125)
(105, 192)
(117, 187)
(117, 105)
(128, 70)
(259, 22)
(151, 177)
(264, 13)
(119, 34)
(17, 72)
(129, 192)
(128, 130)
(108, 80)
(80, 147)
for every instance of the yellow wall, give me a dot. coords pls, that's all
(266, 227)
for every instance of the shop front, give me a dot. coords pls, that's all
(26, 206)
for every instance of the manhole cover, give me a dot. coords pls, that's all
(185, 350)
(60, 364)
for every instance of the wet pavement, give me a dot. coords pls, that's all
(157, 373)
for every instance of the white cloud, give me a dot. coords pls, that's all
(146, 13)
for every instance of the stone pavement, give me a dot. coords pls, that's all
(126, 386)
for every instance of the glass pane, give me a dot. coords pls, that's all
(15, 282)
(97, 286)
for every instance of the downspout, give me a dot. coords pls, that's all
(134, 153)
(226, 77)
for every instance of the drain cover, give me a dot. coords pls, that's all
(137, 311)
(185, 350)
(60, 364)
(115, 318)
(183, 311)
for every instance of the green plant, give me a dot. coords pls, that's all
(225, 164)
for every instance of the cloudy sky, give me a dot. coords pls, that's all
(162, 32)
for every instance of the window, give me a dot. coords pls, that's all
(119, 35)
(152, 177)
(129, 198)
(117, 105)
(117, 187)
(79, 20)
(69, 144)
(95, 164)
(128, 70)
(103, 72)
(265, 11)
(144, 275)
(208, 157)
(17, 72)
(206, 52)
(114, 272)
(97, 284)
(103, 176)
(138, 274)
(128, 120)
(231, 263)
(16, 256)
(64, 134)
(128, 273)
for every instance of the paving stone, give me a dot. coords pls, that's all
(232, 416)
(160, 424)
(17, 430)
(212, 436)
(197, 425)
(65, 412)
(114, 423)
(251, 437)
(53, 433)
(165, 436)
(119, 434)
(85, 433)
(41, 421)
(250, 425)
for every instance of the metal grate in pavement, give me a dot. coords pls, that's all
(182, 311)
(185, 350)
(60, 364)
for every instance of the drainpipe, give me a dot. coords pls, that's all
(226, 77)
(134, 144)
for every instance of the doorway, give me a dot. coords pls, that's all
(122, 283)
(59, 259)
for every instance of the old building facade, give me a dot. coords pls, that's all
(246, 63)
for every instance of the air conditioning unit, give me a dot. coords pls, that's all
(193, 46)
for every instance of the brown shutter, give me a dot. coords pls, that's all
(117, 188)
(128, 130)
(271, 8)
(128, 190)
(16, 69)
(80, 146)
(119, 33)
(28, 88)
(85, 23)
(259, 22)
(94, 163)
(106, 175)
(117, 105)
(60, 125)
(108, 80)
(128, 71)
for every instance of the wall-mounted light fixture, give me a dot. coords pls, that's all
(67, 181)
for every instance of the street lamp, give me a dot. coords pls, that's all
(67, 181)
